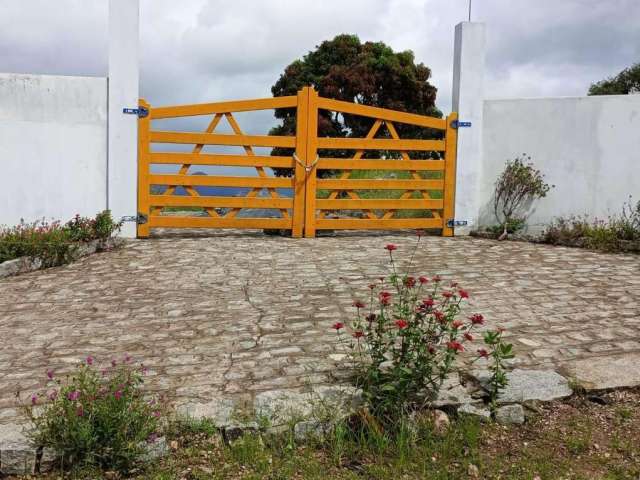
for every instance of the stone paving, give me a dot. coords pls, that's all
(226, 316)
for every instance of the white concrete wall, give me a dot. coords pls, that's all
(589, 147)
(53, 147)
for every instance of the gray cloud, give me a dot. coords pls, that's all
(196, 50)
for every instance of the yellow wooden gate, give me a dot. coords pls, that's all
(410, 183)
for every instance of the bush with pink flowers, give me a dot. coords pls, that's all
(406, 337)
(96, 417)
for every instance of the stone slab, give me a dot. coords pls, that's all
(602, 373)
(524, 385)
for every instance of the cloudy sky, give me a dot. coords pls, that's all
(208, 50)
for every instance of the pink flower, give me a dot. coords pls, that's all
(50, 374)
(456, 324)
(80, 411)
(34, 399)
(89, 360)
(53, 395)
(127, 358)
(468, 336)
(73, 396)
(113, 362)
(391, 247)
(118, 394)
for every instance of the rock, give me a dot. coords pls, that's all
(158, 448)
(306, 429)
(279, 407)
(220, 411)
(543, 385)
(452, 393)
(468, 409)
(601, 373)
(510, 415)
(17, 455)
(473, 471)
(441, 421)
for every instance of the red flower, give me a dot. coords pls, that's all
(437, 278)
(456, 324)
(428, 302)
(401, 324)
(423, 280)
(483, 353)
(463, 293)
(432, 349)
(118, 394)
(457, 346)
(89, 360)
(73, 396)
(439, 315)
(385, 298)
(447, 294)
(454, 284)
(372, 286)
(358, 334)
(468, 336)
(410, 282)
(391, 247)
(358, 304)
(477, 319)
(338, 325)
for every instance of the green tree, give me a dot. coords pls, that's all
(624, 83)
(369, 73)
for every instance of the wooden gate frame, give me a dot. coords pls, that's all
(304, 206)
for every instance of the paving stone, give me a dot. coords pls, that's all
(607, 372)
(469, 409)
(219, 315)
(543, 385)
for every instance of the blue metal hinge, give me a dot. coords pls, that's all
(459, 124)
(456, 223)
(140, 111)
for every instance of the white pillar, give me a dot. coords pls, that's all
(123, 128)
(468, 101)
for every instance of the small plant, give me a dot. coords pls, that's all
(405, 343)
(498, 351)
(617, 233)
(96, 417)
(54, 243)
(518, 184)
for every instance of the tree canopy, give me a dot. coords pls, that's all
(624, 83)
(368, 73)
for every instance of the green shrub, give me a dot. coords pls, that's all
(96, 418)
(405, 343)
(518, 184)
(606, 235)
(54, 243)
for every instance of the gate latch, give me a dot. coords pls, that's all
(458, 124)
(452, 222)
(141, 112)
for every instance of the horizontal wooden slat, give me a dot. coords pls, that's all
(379, 184)
(375, 204)
(349, 164)
(215, 159)
(223, 107)
(211, 222)
(380, 144)
(377, 224)
(221, 139)
(206, 201)
(382, 113)
(213, 180)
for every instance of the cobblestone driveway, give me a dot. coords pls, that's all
(229, 315)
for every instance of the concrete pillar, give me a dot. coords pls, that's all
(468, 101)
(122, 164)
